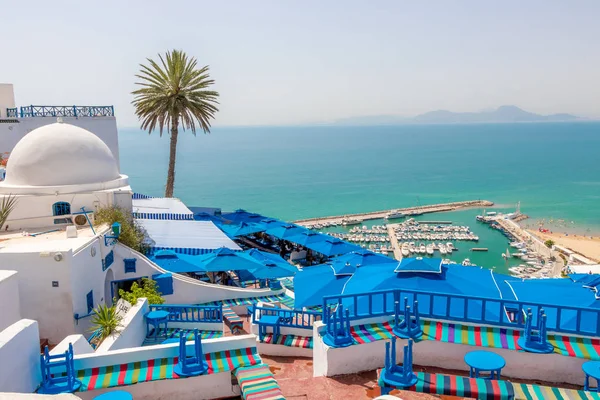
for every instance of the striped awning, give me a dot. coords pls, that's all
(161, 208)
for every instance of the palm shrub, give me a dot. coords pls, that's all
(105, 322)
(132, 234)
(148, 289)
(173, 92)
(549, 243)
(7, 205)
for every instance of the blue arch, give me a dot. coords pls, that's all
(61, 208)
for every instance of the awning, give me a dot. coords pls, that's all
(333, 247)
(161, 208)
(307, 238)
(242, 229)
(286, 231)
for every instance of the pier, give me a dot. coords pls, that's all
(394, 242)
(381, 214)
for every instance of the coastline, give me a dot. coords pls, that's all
(585, 245)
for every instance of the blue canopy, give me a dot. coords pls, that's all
(269, 223)
(226, 260)
(177, 263)
(333, 247)
(307, 238)
(242, 229)
(240, 215)
(271, 266)
(285, 231)
(348, 263)
(420, 264)
(313, 283)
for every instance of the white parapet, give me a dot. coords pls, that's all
(20, 357)
(9, 299)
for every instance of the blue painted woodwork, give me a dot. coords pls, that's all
(129, 265)
(190, 313)
(287, 318)
(67, 111)
(393, 374)
(191, 365)
(156, 319)
(410, 325)
(461, 308)
(484, 361)
(61, 208)
(89, 299)
(337, 323)
(535, 337)
(108, 260)
(12, 112)
(268, 320)
(54, 378)
(164, 283)
(591, 369)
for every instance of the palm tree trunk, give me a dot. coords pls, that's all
(172, 156)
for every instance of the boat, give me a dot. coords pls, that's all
(405, 252)
(466, 263)
(450, 247)
(422, 248)
(442, 249)
(351, 221)
(429, 249)
(394, 215)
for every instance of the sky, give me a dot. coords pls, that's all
(278, 62)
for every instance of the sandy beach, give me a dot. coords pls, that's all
(584, 245)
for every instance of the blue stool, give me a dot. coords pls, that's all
(591, 369)
(156, 318)
(484, 361)
(115, 395)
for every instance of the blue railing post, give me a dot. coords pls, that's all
(75, 111)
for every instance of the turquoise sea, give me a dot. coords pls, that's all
(299, 172)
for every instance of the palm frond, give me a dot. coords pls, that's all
(7, 205)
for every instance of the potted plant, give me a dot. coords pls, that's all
(105, 322)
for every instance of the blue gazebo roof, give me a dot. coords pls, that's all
(285, 231)
(307, 238)
(420, 264)
(333, 247)
(241, 229)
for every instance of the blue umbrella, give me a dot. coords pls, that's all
(242, 229)
(272, 265)
(177, 263)
(242, 216)
(226, 260)
(333, 246)
(269, 223)
(348, 263)
(285, 231)
(311, 284)
(307, 238)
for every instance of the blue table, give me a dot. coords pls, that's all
(484, 361)
(115, 395)
(156, 318)
(591, 369)
(264, 322)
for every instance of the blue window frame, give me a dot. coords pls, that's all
(90, 301)
(129, 265)
(61, 208)
(108, 260)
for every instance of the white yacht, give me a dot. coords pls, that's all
(429, 249)
(394, 215)
(450, 247)
(422, 248)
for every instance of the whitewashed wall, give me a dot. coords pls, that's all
(79, 343)
(9, 299)
(20, 357)
(132, 331)
(51, 306)
(103, 127)
(186, 290)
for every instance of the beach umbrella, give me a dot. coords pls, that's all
(269, 223)
(285, 231)
(307, 238)
(242, 229)
(333, 247)
(272, 266)
(311, 284)
(349, 262)
(177, 263)
(226, 260)
(240, 215)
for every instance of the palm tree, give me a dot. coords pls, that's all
(174, 92)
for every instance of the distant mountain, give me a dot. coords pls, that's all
(501, 114)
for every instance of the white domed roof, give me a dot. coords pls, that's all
(59, 155)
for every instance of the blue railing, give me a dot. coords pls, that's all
(66, 111)
(288, 318)
(477, 310)
(12, 112)
(189, 313)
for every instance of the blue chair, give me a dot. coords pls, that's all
(191, 365)
(54, 379)
(337, 325)
(410, 326)
(535, 337)
(393, 375)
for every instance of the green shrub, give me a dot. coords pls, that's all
(7, 204)
(549, 243)
(148, 289)
(132, 234)
(105, 321)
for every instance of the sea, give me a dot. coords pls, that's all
(295, 172)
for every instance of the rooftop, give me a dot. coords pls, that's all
(47, 239)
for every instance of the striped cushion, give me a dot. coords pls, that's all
(257, 383)
(527, 392)
(232, 320)
(303, 342)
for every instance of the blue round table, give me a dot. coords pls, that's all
(591, 369)
(156, 318)
(115, 395)
(484, 361)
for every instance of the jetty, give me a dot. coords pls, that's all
(339, 219)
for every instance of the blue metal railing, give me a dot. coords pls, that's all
(189, 313)
(66, 111)
(477, 310)
(288, 318)
(12, 112)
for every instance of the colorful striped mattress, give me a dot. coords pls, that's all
(304, 342)
(176, 333)
(232, 320)
(479, 336)
(282, 298)
(480, 388)
(158, 369)
(257, 383)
